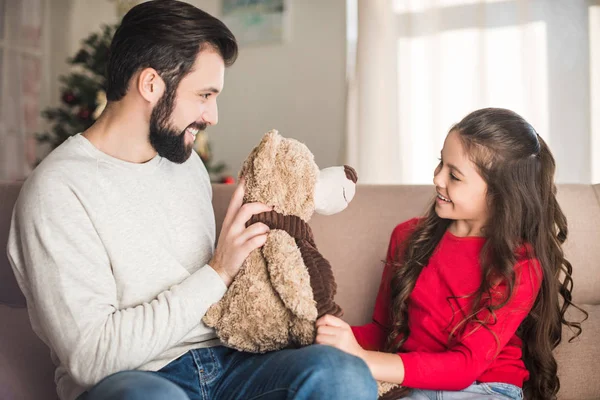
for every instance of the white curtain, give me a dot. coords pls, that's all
(372, 123)
(21, 71)
(422, 65)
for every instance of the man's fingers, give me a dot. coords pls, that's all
(254, 243)
(234, 204)
(255, 229)
(247, 211)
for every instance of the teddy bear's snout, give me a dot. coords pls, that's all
(335, 188)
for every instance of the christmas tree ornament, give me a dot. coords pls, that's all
(101, 104)
(69, 98)
(228, 180)
(202, 145)
(84, 113)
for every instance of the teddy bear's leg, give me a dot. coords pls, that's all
(254, 319)
(391, 391)
(289, 275)
(303, 332)
(213, 315)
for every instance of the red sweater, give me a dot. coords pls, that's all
(454, 270)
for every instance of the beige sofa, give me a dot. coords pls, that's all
(355, 242)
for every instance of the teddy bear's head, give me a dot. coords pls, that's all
(282, 173)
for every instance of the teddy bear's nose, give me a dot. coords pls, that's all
(350, 173)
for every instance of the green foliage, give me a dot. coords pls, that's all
(79, 90)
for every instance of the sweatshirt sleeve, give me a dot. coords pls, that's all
(460, 365)
(373, 336)
(65, 274)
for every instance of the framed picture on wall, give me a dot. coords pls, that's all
(257, 22)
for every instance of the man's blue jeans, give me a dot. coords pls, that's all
(313, 372)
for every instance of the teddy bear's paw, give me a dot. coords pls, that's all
(391, 391)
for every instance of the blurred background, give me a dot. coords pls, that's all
(372, 83)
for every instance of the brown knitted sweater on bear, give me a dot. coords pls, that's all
(321, 276)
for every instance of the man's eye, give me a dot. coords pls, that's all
(205, 96)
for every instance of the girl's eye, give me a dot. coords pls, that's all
(452, 176)
(205, 96)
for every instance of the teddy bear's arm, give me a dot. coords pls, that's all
(289, 275)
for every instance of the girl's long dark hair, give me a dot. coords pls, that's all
(518, 168)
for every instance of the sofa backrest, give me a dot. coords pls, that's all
(355, 240)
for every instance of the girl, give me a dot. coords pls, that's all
(468, 306)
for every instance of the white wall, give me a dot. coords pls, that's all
(70, 22)
(569, 87)
(297, 87)
(594, 29)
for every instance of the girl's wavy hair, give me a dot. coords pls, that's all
(518, 168)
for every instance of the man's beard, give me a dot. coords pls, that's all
(164, 137)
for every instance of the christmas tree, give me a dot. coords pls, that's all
(84, 99)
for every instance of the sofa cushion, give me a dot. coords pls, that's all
(10, 293)
(26, 371)
(580, 360)
(581, 205)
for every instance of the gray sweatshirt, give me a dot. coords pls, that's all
(111, 257)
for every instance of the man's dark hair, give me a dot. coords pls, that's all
(166, 35)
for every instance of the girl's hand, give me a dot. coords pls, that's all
(332, 331)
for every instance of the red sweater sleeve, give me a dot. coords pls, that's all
(462, 364)
(373, 335)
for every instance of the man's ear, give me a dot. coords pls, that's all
(150, 85)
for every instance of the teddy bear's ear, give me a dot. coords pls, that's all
(268, 147)
(264, 160)
(258, 166)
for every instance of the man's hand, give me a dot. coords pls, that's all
(235, 240)
(334, 332)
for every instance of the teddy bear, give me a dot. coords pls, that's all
(285, 286)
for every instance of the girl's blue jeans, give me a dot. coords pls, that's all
(488, 391)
